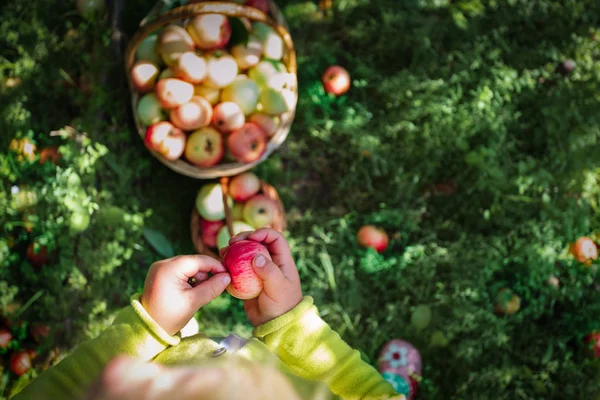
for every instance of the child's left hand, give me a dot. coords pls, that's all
(168, 297)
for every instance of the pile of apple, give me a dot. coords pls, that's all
(206, 98)
(250, 209)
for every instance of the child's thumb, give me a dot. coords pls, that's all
(210, 289)
(269, 272)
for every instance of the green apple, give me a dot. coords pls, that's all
(264, 70)
(167, 73)
(146, 50)
(172, 42)
(273, 102)
(271, 41)
(243, 92)
(237, 227)
(209, 93)
(260, 211)
(249, 54)
(149, 110)
(79, 220)
(237, 212)
(209, 202)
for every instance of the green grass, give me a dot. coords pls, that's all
(462, 92)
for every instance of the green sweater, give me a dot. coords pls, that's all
(304, 344)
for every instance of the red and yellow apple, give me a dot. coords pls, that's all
(210, 31)
(20, 362)
(191, 67)
(195, 114)
(5, 338)
(166, 140)
(209, 93)
(248, 143)
(205, 147)
(221, 69)
(149, 110)
(210, 229)
(209, 202)
(174, 92)
(373, 237)
(584, 250)
(172, 42)
(336, 80)
(268, 123)
(144, 75)
(260, 211)
(244, 186)
(244, 92)
(249, 54)
(245, 284)
(228, 116)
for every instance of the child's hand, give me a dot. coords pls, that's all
(168, 297)
(282, 290)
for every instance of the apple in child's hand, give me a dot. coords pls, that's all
(584, 250)
(173, 41)
(39, 258)
(210, 229)
(192, 115)
(593, 343)
(209, 93)
(244, 92)
(143, 76)
(210, 31)
(244, 186)
(191, 67)
(247, 55)
(209, 202)
(146, 51)
(174, 92)
(262, 5)
(248, 143)
(228, 116)
(268, 123)
(245, 284)
(20, 362)
(260, 211)
(166, 140)
(336, 80)
(373, 237)
(5, 338)
(205, 147)
(237, 227)
(221, 69)
(149, 110)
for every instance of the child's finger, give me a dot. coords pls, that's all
(279, 249)
(239, 237)
(186, 267)
(208, 290)
(270, 273)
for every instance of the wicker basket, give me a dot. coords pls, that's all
(268, 190)
(151, 24)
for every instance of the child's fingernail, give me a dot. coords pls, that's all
(260, 261)
(226, 280)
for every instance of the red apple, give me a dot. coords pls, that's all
(585, 250)
(5, 338)
(191, 67)
(248, 143)
(193, 115)
(593, 343)
(262, 5)
(50, 154)
(205, 147)
(144, 75)
(20, 362)
(38, 259)
(507, 302)
(39, 332)
(228, 116)
(260, 211)
(268, 123)
(244, 186)
(373, 237)
(210, 31)
(210, 229)
(166, 140)
(245, 284)
(336, 80)
(174, 92)
(172, 42)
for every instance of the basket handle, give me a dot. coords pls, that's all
(228, 218)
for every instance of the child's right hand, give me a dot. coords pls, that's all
(282, 290)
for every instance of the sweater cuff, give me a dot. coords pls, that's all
(151, 325)
(283, 320)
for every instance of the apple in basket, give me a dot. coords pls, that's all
(166, 140)
(272, 43)
(242, 187)
(244, 92)
(249, 54)
(210, 229)
(195, 114)
(209, 202)
(172, 42)
(373, 237)
(336, 80)
(149, 110)
(262, 71)
(228, 116)
(262, 5)
(237, 212)
(275, 102)
(269, 123)
(221, 69)
(210, 31)
(209, 93)
(191, 67)
(245, 284)
(173, 93)
(248, 143)
(205, 147)
(260, 211)
(146, 51)
(237, 226)
(144, 75)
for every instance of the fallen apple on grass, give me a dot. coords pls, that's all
(336, 80)
(173, 92)
(373, 237)
(507, 302)
(205, 147)
(20, 362)
(242, 187)
(209, 202)
(228, 116)
(245, 284)
(248, 143)
(237, 227)
(260, 211)
(195, 114)
(210, 31)
(37, 258)
(5, 338)
(144, 75)
(210, 229)
(584, 250)
(166, 140)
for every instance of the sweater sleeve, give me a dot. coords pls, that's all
(306, 344)
(133, 332)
